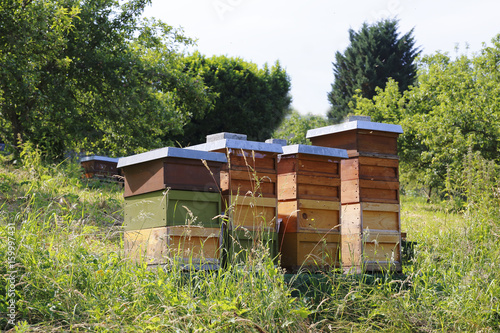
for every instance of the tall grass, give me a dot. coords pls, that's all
(71, 273)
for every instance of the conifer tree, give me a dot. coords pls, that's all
(375, 54)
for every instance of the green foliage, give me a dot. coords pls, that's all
(453, 108)
(376, 53)
(295, 126)
(249, 100)
(92, 75)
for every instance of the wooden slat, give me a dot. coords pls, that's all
(309, 249)
(318, 204)
(342, 140)
(317, 166)
(377, 236)
(377, 184)
(381, 220)
(379, 195)
(318, 180)
(374, 143)
(381, 207)
(319, 192)
(381, 251)
(381, 162)
(350, 192)
(372, 172)
(349, 169)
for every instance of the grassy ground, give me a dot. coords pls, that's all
(63, 265)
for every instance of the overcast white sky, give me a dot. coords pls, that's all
(305, 35)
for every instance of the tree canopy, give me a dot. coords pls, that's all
(249, 100)
(92, 75)
(451, 110)
(375, 54)
(295, 126)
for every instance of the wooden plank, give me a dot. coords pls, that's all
(380, 207)
(287, 212)
(136, 243)
(381, 220)
(351, 218)
(342, 140)
(319, 192)
(381, 162)
(317, 166)
(247, 187)
(318, 204)
(140, 179)
(351, 250)
(309, 215)
(145, 211)
(287, 186)
(192, 207)
(259, 161)
(349, 169)
(287, 164)
(381, 252)
(379, 195)
(379, 236)
(265, 177)
(378, 173)
(373, 142)
(378, 184)
(193, 175)
(350, 192)
(253, 218)
(318, 180)
(309, 249)
(318, 219)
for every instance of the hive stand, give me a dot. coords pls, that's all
(172, 204)
(308, 205)
(370, 212)
(249, 189)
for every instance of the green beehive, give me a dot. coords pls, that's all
(171, 206)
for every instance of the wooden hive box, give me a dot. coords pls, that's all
(308, 207)
(249, 188)
(204, 247)
(359, 138)
(100, 166)
(250, 175)
(173, 168)
(370, 226)
(173, 192)
(371, 237)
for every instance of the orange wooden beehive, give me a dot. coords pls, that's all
(370, 219)
(308, 207)
(248, 184)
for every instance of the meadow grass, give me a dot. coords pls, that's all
(71, 273)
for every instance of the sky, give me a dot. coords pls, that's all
(305, 35)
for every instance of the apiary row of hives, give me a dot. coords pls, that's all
(334, 203)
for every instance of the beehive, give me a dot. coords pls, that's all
(172, 206)
(370, 219)
(309, 202)
(99, 166)
(248, 186)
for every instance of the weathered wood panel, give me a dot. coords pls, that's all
(252, 213)
(309, 250)
(309, 216)
(169, 208)
(181, 243)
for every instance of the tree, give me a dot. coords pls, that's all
(375, 54)
(295, 126)
(92, 75)
(248, 100)
(452, 110)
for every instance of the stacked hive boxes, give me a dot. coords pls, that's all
(172, 204)
(309, 191)
(249, 189)
(371, 234)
